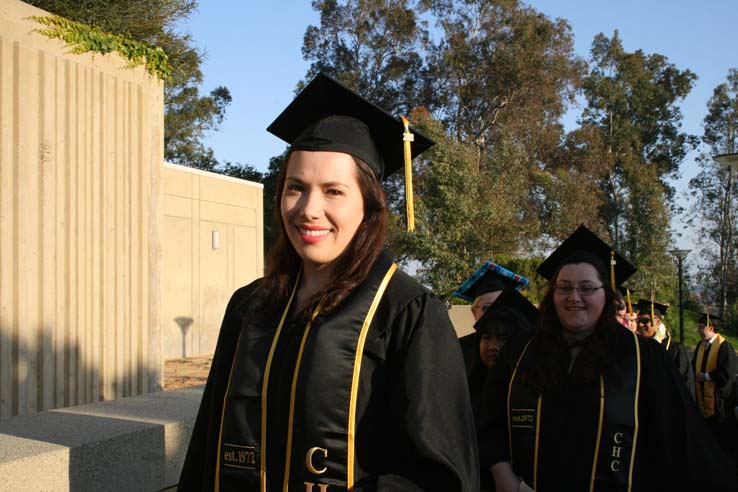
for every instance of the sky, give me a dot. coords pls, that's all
(254, 49)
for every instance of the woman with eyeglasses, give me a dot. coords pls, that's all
(587, 405)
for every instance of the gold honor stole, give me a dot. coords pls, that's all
(321, 426)
(617, 430)
(706, 389)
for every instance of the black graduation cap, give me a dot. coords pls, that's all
(328, 116)
(703, 318)
(490, 277)
(644, 306)
(511, 298)
(625, 290)
(587, 241)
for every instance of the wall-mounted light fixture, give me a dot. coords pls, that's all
(216, 240)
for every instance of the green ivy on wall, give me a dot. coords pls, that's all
(83, 39)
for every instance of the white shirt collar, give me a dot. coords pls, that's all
(708, 342)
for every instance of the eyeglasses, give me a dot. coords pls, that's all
(619, 307)
(583, 290)
(644, 320)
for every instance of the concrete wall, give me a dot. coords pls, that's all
(200, 273)
(462, 319)
(136, 443)
(81, 147)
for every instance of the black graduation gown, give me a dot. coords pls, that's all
(470, 350)
(414, 424)
(723, 423)
(723, 376)
(683, 365)
(674, 451)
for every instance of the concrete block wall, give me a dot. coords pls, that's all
(136, 443)
(81, 151)
(213, 243)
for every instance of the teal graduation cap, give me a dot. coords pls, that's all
(490, 277)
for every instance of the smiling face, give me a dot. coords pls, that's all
(645, 327)
(576, 312)
(322, 205)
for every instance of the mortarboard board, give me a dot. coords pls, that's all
(703, 318)
(491, 277)
(626, 290)
(513, 299)
(328, 116)
(585, 240)
(644, 306)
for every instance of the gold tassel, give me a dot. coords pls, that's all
(630, 306)
(708, 319)
(408, 137)
(612, 269)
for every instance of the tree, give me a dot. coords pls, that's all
(491, 97)
(633, 126)
(373, 46)
(187, 114)
(716, 195)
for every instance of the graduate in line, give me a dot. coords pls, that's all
(650, 325)
(587, 405)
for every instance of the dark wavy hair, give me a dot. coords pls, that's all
(350, 269)
(547, 371)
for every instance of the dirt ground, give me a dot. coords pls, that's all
(190, 371)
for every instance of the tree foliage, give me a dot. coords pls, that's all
(631, 127)
(490, 85)
(373, 46)
(716, 196)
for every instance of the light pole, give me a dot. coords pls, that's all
(680, 254)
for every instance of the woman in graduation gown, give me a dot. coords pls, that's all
(336, 371)
(587, 405)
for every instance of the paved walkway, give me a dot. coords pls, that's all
(190, 371)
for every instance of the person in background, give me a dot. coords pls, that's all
(654, 328)
(714, 364)
(621, 310)
(336, 371)
(481, 289)
(585, 405)
(510, 317)
(624, 310)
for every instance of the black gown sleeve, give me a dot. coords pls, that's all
(494, 445)
(724, 374)
(198, 470)
(684, 366)
(429, 406)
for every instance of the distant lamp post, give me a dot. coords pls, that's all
(730, 161)
(680, 255)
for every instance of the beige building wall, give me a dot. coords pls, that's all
(81, 147)
(462, 319)
(213, 243)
